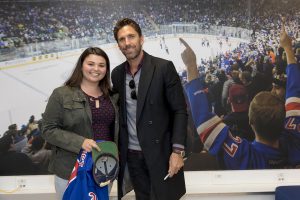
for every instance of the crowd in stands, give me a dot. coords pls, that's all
(271, 109)
(23, 151)
(48, 21)
(234, 78)
(29, 22)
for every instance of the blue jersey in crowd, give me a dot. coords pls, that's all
(291, 138)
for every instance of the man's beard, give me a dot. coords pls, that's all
(133, 55)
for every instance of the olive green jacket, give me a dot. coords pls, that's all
(67, 121)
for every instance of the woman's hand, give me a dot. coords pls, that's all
(89, 144)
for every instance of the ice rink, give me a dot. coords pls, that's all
(25, 87)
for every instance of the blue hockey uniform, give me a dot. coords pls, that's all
(81, 185)
(291, 137)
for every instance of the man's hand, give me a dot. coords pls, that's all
(286, 43)
(189, 59)
(175, 164)
(285, 40)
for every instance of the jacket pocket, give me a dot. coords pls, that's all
(64, 162)
(74, 116)
(75, 105)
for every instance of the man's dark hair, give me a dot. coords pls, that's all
(246, 75)
(12, 127)
(126, 22)
(37, 143)
(5, 143)
(266, 115)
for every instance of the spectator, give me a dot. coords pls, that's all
(238, 119)
(19, 140)
(233, 77)
(251, 85)
(32, 124)
(298, 55)
(290, 143)
(39, 155)
(12, 162)
(279, 86)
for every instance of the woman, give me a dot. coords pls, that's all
(80, 113)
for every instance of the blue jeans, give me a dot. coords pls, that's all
(60, 187)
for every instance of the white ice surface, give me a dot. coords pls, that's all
(25, 88)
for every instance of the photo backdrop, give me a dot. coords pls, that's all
(40, 42)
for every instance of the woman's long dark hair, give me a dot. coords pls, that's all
(76, 77)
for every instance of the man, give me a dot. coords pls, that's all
(153, 119)
(291, 142)
(238, 119)
(13, 163)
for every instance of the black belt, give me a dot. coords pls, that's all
(134, 151)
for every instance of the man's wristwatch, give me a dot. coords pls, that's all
(179, 152)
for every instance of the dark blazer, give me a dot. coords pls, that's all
(161, 121)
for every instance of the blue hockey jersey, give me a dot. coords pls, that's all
(236, 152)
(291, 138)
(81, 184)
